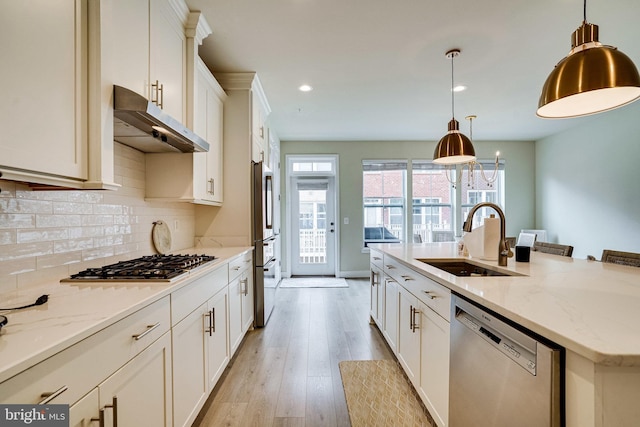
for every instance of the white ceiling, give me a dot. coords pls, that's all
(379, 70)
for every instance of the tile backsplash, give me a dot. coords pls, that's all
(47, 235)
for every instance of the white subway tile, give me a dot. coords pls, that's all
(72, 245)
(48, 221)
(12, 221)
(42, 235)
(61, 208)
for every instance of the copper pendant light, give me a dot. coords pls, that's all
(454, 148)
(593, 78)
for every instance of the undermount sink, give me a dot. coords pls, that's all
(463, 268)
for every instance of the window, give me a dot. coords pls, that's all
(438, 208)
(475, 189)
(384, 184)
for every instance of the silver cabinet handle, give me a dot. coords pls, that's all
(236, 268)
(159, 94)
(209, 315)
(430, 294)
(411, 317)
(211, 187)
(244, 289)
(114, 406)
(48, 397)
(373, 278)
(377, 258)
(407, 278)
(100, 419)
(213, 319)
(148, 330)
(414, 324)
(390, 267)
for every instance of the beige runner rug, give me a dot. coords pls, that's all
(378, 394)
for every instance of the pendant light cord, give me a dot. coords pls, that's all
(452, 97)
(585, 11)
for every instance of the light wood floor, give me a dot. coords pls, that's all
(286, 374)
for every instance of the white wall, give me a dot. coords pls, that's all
(519, 186)
(588, 183)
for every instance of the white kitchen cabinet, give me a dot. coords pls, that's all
(85, 411)
(377, 296)
(192, 340)
(217, 343)
(44, 90)
(231, 223)
(50, 117)
(194, 177)
(260, 131)
(409, 335)
(140, 392)
(390, 330)
(434, 364)
(240, 308)
(150, 51)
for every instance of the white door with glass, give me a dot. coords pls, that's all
(312, 217)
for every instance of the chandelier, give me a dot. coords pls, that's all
(472, 167)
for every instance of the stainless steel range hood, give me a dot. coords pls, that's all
(140, 124)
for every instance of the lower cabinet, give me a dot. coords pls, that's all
(434, 364)
(139, 393)
(377, 296)
(409, 335)
(390, 330)
(416, 326)
(84, 411)
(240, 308)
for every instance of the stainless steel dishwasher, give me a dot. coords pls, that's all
(500, 375)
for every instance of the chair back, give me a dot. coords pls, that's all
(553, 248)
(442, 236)
(622, 258)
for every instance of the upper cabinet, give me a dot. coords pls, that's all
(195, 177)
(45, 106)
(260, 111)
(150, 51)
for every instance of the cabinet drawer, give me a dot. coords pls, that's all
(239, 264)
(76, 370)
(376, 258)
(432, 294)
(191, 296)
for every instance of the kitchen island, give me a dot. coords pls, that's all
(587, 307)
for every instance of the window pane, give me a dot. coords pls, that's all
(384, 200)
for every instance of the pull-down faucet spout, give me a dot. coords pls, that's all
(504, 251)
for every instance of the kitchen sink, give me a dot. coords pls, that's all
(463, 268)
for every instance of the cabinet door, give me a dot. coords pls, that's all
(434, 364)
(167, 62)
(130, 45)
(246, 284)
(216, 338)
(141, 390)
(190, 388)
(85, 411)
(409, 335)
(374, 281)
(235, 314)
(391, 313)
(43, 113)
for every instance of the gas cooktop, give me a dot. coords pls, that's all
(160, 268)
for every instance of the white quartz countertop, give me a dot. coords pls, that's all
(76, 310)
(588, 307)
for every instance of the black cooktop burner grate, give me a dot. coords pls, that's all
(152, 267)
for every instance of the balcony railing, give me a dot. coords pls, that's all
(313, 246)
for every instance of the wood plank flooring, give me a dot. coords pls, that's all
(286, 374)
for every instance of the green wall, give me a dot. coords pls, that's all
(519, 187)
(588, 183)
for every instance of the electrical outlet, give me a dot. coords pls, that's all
(346, 220)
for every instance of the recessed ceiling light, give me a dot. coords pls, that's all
(459, 88)
(305, 88)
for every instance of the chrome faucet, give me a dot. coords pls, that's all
(504, 251)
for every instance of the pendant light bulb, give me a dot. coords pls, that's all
(592, 79)
(454, 148)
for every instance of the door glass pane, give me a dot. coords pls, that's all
(313, 226)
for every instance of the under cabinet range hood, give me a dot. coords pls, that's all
(141, 124)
